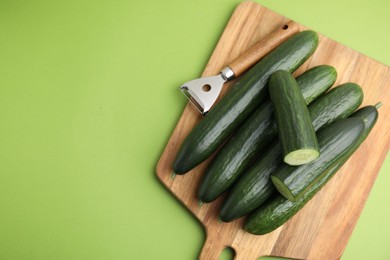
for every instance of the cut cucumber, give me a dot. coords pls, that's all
(255, 186)
(295, 128)
(335, 141)
(278, 210)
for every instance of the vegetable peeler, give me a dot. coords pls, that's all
(203, 92)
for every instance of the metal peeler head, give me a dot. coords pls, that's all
(203, 92)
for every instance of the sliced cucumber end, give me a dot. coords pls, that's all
(301, 156)
(282, 188)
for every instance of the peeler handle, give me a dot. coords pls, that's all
(262, 47)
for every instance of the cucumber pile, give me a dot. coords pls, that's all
(277, 139)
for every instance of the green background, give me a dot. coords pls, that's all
(88, 99)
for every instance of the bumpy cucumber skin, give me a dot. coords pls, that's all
(254, 187)
(322, 75)
(295, 127)
(232, 159)
(278, 210)
(248, 92)
(292, 182)
(255, 134)
(345, 99)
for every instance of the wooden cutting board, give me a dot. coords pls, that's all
(323, 227)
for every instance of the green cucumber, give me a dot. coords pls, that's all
(344, 100)
(255, 134)
(321, 75)
(245, 96)
(292, 182)
(239, 152)
(278, 210)
(254, 187)
(295, 128)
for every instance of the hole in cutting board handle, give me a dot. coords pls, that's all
(227, 253)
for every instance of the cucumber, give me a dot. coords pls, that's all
(255, 134)
(321, 75)
(239, 152)
(279, 210)
(254, 186)
(343, 100)
(292, 182)
(295, 128)
(245, 96)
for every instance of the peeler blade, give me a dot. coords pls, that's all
(203, 92)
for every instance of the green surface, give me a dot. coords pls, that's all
(88, 99)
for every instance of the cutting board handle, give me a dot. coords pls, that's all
(262, 47)
(213, 247)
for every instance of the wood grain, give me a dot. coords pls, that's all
(323, 227)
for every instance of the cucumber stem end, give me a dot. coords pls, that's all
(378, 105)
